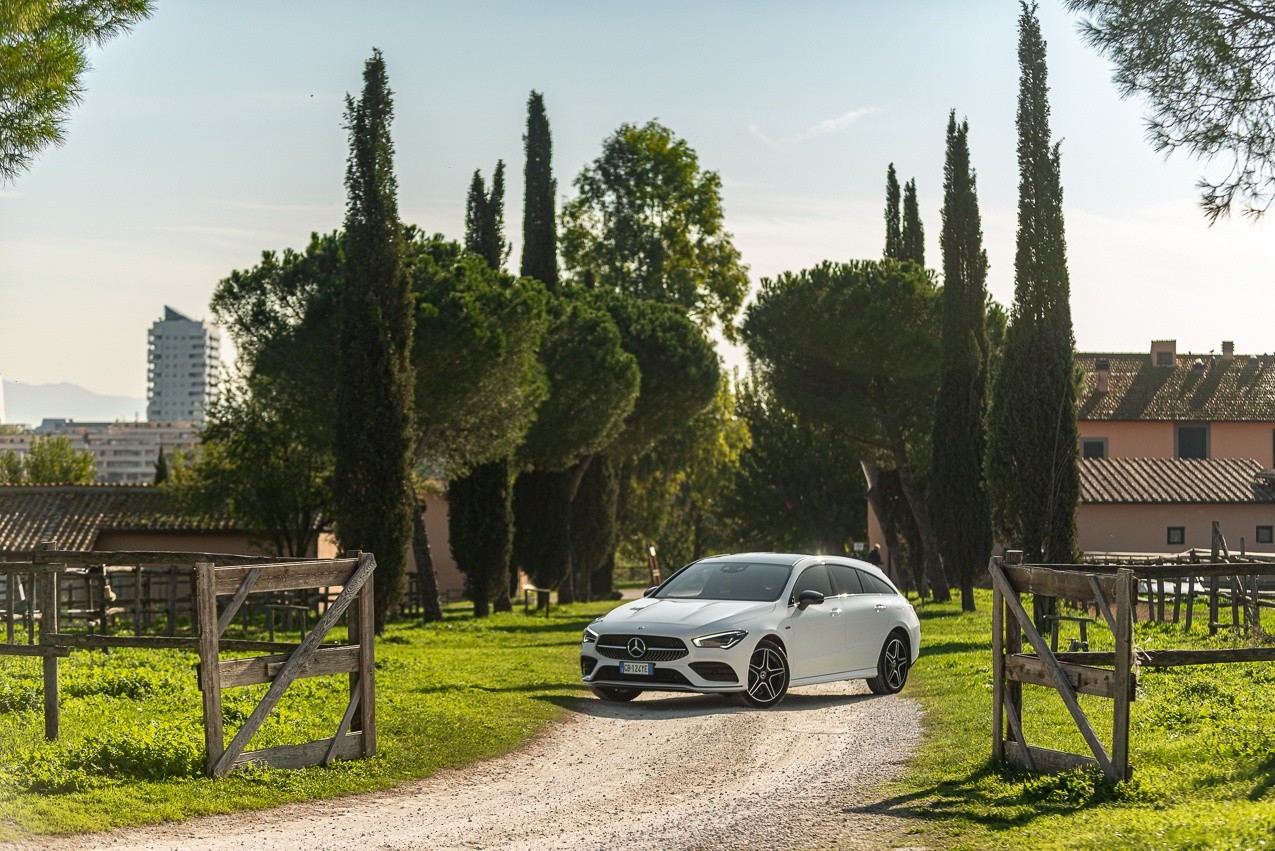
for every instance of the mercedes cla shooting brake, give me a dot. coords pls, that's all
(755, 624)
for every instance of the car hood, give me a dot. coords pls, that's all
(683, 614)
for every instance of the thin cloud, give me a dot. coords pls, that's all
(822, 128)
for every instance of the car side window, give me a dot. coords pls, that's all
(815, 578)
(872, 585)
(846, 579)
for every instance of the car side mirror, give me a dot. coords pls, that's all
(809, 598)
(650, 591)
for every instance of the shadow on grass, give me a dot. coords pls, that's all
(954, 647)
(676, 705)
(973, 799)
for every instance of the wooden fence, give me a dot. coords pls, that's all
(1111, 591)
(35, 602)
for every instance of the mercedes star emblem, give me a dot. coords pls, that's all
(637, 647)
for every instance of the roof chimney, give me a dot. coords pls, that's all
(1102, 370)
(1228, 350)
(1164, 353)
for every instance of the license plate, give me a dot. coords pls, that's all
(643, 668)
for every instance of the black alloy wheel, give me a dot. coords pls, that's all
(616, 694)
(767, 676)
(892, 667)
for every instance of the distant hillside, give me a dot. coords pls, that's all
(30, 403)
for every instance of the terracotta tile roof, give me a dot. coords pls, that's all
(1174, 480)
(1239, 390)
(74, 515)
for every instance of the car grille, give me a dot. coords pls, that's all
(718, 672)
(663, 676)
(659, 648)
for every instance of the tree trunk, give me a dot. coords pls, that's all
(427, 581)
(967, 594)
(940, 589)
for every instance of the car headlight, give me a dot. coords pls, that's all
(720, 640)
(589, 635)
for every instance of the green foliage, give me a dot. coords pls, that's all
(800, 487)
(893, 216)
(594, 531)
(648, 223)
(958, 494)
(50, 460)
(1032, 470)
(539, 222)
(43, 57)
(1206, 71)
(912, 241)
(485, 219)
(374, 425)
(254, 463)
(480, 524)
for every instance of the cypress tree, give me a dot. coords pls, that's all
(957, 493)
(373, 439)
(539, 220)
(1032, 470)
(480, 516)
(912, 239)
(893, 231)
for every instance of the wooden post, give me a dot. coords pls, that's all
(49, 626)
(998, 676)
(1213, 606)
(1235, 604)
(1177, 599)
(367, 664)
(171, 627)
(1125, 680)
(205, 587)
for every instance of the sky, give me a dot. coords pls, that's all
(214, 132)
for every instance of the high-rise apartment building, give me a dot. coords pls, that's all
(185, 363)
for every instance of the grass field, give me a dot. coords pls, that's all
(1203, 739)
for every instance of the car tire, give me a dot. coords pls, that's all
(768, 676)
(616, 694)
(892, 666)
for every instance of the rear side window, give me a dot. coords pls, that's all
(815, 579)
(872, 585)
(846, 579)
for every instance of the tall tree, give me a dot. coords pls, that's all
(539, 219)
(912, 239)
(1206, 69)
(50, 460)
(373, 495)
(648, 222)
(958, 495)
(43, 57)
(480, 517)
(893, 216)
(876, 382)
(1032, 469)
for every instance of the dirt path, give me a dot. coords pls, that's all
(666, 772)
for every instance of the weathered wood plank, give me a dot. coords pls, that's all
(998, 676)
(164, 642)
(263, 669)
(210, 682)
(241, 593)
(1176, 658)
(1060, 681)
(1074, 585)
(1084, 679)
(120, 557)
(299, 658)
(1046, 760)
(343, 727)
(49, 624)
(33, 650)
(300, 756)
(367, 660)
(288, 576)
(1125, 683)
(1100, 599)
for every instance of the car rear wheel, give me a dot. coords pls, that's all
(767, 676)
(892, 667)
(616, 694)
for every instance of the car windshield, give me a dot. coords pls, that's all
(728, 580)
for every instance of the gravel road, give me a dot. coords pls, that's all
(664, 772)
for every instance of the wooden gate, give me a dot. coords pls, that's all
(1011, 667)
(213, 576)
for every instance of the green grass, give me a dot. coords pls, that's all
(1202, 743)
(131, 748)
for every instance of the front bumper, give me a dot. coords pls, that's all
(677, 665)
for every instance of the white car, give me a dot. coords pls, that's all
(755, 624)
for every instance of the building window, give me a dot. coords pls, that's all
(1193, 441)
(1093, 447)
(1177, 535)
(1164, 359)
(1264, 535)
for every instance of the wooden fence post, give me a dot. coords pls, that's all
(998, 675)
(49, 597)
(205, 583)
(1125, 682)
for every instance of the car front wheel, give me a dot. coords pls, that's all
(767, 676)
(616, 694)
(892, 667)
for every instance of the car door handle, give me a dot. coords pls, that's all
(834, 612)
(880, 607)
